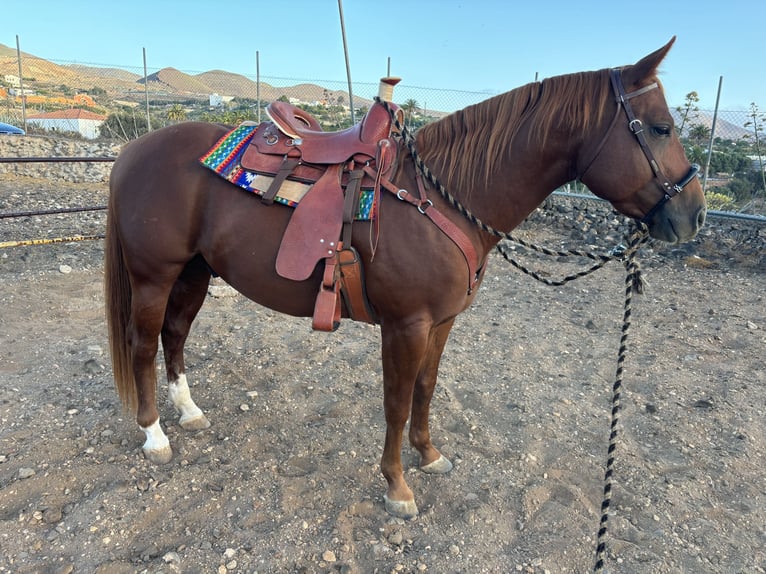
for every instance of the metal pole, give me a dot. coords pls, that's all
(146, 95)
(348, 66)
(258, 83)
(712, 135)
(21, 86)
(388, 68)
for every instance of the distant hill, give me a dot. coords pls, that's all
(167, 81)
(172, 80)
(723, 128)
(45, 73)
(113, 73)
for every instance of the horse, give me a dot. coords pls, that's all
(172, 223)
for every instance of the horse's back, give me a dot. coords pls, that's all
(169, 208)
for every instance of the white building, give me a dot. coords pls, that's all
(217, 100)
(73, 120)
(11, 80)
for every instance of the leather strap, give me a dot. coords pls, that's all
(450, 230)
(287, 167)
(351, 203)
(637, 127)
(327, 307)
(352, 286)
(458, 237)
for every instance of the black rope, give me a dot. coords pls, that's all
(633, 284)
(53, 211)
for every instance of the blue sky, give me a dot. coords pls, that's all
(473, 45)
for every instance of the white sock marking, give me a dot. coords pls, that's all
(156, 439)
(180, 395)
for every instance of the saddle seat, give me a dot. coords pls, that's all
(360, 141)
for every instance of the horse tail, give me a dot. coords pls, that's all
(118, 297)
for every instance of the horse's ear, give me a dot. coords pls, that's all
(647, 67)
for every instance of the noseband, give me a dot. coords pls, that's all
(669, 190)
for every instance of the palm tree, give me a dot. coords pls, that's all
(410, 107)
(176, 113)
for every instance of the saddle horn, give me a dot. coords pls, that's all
(386, 88)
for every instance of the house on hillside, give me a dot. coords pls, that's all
(82, 122)
(217, 101)
(11, 80)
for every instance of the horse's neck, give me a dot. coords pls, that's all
(520, 183)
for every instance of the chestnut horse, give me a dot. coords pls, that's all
(171, 221)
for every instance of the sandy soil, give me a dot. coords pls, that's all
(287, 478)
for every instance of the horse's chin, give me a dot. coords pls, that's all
(664, 233)
(668, 231)
(676, 229)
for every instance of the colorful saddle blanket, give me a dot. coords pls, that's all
(225, 159)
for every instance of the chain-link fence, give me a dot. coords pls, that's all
(102, 101)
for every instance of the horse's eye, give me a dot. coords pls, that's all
(661, 131)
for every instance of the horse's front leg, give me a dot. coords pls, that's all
(404, 347)
(431, 460)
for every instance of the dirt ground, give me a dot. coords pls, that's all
(287, 478)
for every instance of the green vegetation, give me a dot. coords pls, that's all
(736, 178)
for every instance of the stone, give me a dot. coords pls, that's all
(26, 473)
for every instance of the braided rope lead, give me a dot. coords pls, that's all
(633, 284)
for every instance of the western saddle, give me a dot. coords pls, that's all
(337, 165)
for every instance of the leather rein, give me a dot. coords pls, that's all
(636, 126)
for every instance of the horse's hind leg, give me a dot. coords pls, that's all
(186, 299)
(146, 317)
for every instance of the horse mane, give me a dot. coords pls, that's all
(472, 140)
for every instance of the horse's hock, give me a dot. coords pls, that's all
(48, 147)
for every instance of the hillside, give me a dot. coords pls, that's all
(724, 129)
(44, 73)
(112, 73)
(167, 81)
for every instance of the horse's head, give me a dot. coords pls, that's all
(637, 161)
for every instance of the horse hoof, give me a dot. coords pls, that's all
(405, 509)
(440, 466)
(161, 455)
(194, 423)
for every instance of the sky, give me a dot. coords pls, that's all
(487, 46)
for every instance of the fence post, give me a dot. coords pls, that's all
(146, 95)
(348, 65)
(21, 86)
(712, 136)
(258, 83)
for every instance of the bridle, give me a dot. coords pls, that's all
(636, 126)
